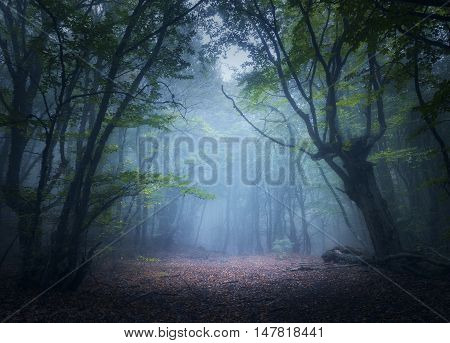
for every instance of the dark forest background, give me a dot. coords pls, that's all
(358, 91)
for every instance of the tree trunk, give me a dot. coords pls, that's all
(199, 224)
(255, 212)
(363, 189)
(30, 245)
(227, 223)
(305, 241)
(341, 207)
(269, 229)
(385, 176)
(292, 228)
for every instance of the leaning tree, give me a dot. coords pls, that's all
(330, 70)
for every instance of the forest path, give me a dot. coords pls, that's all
(236, 289)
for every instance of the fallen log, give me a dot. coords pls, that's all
(344, 255)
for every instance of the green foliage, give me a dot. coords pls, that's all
(282, 247)
(147, 259)
(107, 224)
(162, 274)
(440, 103)
(351, 100)
(259, 82)
(446, 234)
(110, 148)
(412, 156)
(197, 192)
(143, 115)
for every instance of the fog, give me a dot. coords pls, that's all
(255, 196)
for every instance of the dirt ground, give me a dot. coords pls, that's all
(234, 289)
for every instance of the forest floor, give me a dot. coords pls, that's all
(234, 289)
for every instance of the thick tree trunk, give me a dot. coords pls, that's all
(363, 189)
(341, 207)
(22, 205)
(383, 174)
(30, 244)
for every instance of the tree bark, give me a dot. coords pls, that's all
(199, 224)
(255, 212)
(227, 222)
(362, 188)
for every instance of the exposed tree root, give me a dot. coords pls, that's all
(419, 264)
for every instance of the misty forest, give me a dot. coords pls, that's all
(224, 161)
